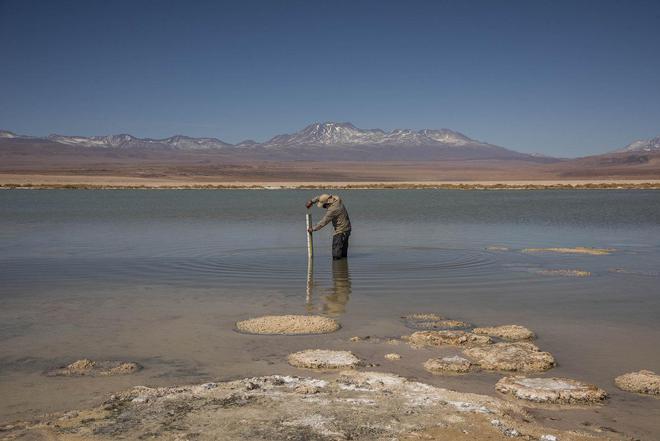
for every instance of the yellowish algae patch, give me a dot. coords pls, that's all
(576, 250)
(506, 332)
(288, 325)
(323, 359)
(551, 390)
(86, 367)
(451, 338)
(641, 382)
(516, 356)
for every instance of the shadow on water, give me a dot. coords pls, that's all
(333, 299)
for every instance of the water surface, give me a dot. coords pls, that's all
(160, 277)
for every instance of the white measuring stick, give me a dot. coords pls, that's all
(310, 241)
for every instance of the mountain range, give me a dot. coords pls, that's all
(323, 141)
(318, 141)
(327, 151)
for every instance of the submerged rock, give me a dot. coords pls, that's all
(563, 272)
(392, 356)
(642, 382)
(454, 365)
(452, 338)
(634, 272)
(497, 248)
(576, 250)
(424, 316)
(506, 332)
(432, 321)
(323, 359)
(551, 390)
(517, 356)
(288, 325)
(368, 406)
(86, 367)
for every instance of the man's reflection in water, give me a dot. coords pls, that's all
(333, 299)
(337, 297)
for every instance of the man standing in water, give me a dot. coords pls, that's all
(337, 214)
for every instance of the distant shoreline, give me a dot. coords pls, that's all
(38, 182)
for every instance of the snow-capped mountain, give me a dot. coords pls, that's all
(178, 142)
(346, 134)
(345, 142)
(642, 145)
(8, 134)
(93, 141)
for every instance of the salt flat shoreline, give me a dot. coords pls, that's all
(15, 181)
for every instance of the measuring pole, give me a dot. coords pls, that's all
(310, 283)
(310, 241)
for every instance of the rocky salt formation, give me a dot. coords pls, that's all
(432, 321)
(86, 367)
(365, 406)
(323, 359)
(551, 390)
(513, 357)
(576, 250)
(452, 338)
(506, 332)
(288, 325)
(452, 365)
(642, 382)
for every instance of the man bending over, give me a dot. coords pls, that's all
(337, 214)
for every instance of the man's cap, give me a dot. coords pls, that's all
(322, 200)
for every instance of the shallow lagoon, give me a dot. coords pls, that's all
(161, 276)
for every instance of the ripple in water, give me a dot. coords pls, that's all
(275, 267)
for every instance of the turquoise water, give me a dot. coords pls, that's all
(161, 276)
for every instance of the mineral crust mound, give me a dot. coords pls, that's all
(432, 321)
(576, 250)
(497, 248)
(365, 406)
(551, 390)
(514, 357)
(323, 359)
(451, 338)
(392, 356)
(86, 367)
(506, 332)
(641, 382)
(451, 365)
(563, 272)
(288, 325)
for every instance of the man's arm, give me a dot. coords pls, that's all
(311, 202)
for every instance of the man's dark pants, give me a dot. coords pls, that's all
(340, 245)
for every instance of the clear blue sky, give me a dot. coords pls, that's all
(563, 78)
